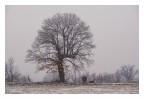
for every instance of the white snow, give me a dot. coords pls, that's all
(72, 89)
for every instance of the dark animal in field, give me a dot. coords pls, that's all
(84, 79)
(91, 81)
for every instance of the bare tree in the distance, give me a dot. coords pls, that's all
(11, 71)
(128, 72)
(62, 40)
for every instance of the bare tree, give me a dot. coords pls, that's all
(118, 77)
(25, 79)
(108, 78)
(11, 72)
(99, 78)
(63, 39)
(29, 79)
(128, 73)
(92, 78)
(105, 78)
(136, 79)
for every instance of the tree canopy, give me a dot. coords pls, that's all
(62, 40)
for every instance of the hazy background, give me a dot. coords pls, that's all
(115, 30)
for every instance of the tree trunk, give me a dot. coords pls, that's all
(61, 72)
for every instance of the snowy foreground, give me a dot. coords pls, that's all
(47, 88)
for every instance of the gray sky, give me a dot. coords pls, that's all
(115, 30)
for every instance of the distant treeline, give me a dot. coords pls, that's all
(125, 74)
(12, 73)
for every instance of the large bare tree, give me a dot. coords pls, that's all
(62, 40)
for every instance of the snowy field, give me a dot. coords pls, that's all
(47, 88)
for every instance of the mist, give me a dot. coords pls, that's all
(115, 32)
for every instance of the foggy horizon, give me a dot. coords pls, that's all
(115, 32)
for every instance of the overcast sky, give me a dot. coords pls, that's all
(115, 30)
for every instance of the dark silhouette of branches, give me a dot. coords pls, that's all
(128, 73)
(62, 38)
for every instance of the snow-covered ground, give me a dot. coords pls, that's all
(48, 88)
